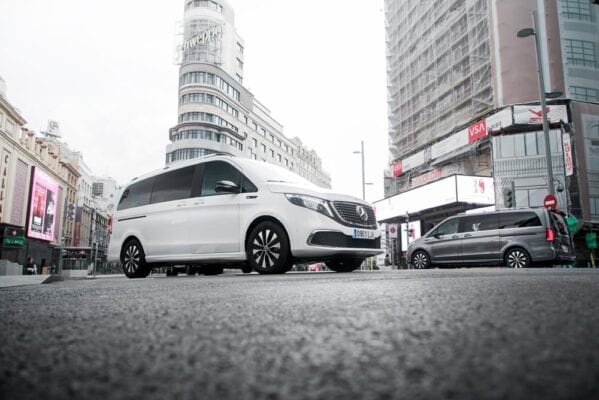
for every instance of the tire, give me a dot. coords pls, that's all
(212, 270)
(344, 264)
(189, 270)
(246, 269)
(517, 258)
(420, 260)
(133, 260)
(267, 249)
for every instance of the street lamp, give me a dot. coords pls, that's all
(522, 33)
(364, 183)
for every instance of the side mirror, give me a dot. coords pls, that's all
(437, 235)
(226, 187)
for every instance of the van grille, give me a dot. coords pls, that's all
(349, 214)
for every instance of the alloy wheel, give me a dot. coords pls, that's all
(517, 259)
(266, 248)
(420, 260)
(131, 258)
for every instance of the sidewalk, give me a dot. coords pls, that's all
(24, 280)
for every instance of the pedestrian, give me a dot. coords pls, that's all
(387, 260)
(30, 267)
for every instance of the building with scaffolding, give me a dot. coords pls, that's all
(464, 114)
(217, 114)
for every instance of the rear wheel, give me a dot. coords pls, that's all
(267, 249)
(212, 270)
(133, 260)
(517, 258)
(344, 264)
(420, 260)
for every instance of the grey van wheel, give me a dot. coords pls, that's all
(420, 260)
(133, 260)
(517, 258)
(267, 249)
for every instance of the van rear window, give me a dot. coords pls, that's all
(518, 220)
(557, 221)
(136, 195)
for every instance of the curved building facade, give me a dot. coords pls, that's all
(216, 113)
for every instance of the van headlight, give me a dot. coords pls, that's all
(313, 203)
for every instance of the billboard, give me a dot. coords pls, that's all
(42, 206)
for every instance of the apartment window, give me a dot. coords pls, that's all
(272, 138)
(584, 94)
(240, 63)
(278, 157)
(239, 47)
(577, 9)
(580, 52)
(254, 126)
(279, 142)
(254, 142)
(272, 153)
(263, 132)
(264, 148)
(594, 201)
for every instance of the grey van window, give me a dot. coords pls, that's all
(136, 195)
(448, 228)
(558, 223)
(474, 223)
(173, 185)
(518, 220)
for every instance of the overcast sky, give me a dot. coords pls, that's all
(104, 69)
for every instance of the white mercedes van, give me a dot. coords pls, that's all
(223, 210)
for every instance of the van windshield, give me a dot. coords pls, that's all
(265, 172)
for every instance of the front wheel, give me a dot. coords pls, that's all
(517, 258)
(420, 260)
(344, 264)
(267, 249)
(133, 260)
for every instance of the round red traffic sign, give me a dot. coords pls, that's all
(550, 202)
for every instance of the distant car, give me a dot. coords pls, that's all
(238, 212)
(516, 238)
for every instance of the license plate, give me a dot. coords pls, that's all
(363, 234)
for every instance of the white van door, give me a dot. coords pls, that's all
(214, 216)
(167, 215)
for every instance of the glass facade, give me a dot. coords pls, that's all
(519, 161)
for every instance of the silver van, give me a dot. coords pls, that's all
(516, 238)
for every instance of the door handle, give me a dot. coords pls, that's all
(197, 203)
(251, 197)
(455, 237)
(181, 204)
(467, 235)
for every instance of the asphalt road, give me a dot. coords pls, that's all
(434, 334)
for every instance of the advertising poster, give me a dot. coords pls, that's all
(44, 194)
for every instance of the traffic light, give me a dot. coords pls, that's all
(508, 197)
(71, 212)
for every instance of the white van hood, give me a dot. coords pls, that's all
(327, 194)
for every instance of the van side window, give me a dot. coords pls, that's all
(136, 195)
(173, 185)
(475, 223)
(448, 228)
(248, 187)
(518, 220)
(218, 171)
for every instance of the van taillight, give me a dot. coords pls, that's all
(549, 235)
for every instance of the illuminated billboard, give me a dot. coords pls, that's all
(42, 206)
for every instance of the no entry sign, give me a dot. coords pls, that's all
(550, 202)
